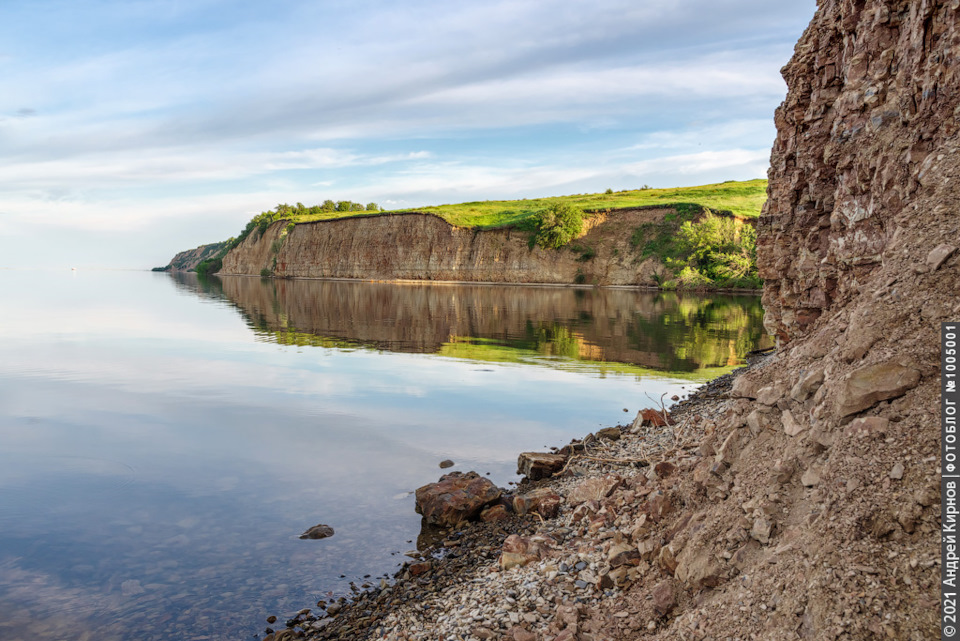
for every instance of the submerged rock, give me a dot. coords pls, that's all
(318, 532)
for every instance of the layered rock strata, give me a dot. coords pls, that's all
(425, 247)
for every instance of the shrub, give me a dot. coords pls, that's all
(265, 273)
(557, 225)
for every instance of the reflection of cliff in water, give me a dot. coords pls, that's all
(663, 331)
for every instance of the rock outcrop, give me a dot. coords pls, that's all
(188, 260)
(864, 168)
(414, 246)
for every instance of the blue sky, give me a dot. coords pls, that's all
(132, 129)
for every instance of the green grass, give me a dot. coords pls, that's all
(743, 199)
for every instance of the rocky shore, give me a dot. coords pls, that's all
(526, 577)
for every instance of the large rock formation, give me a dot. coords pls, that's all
(863, 176)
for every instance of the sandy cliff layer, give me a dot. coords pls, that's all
(425, 247)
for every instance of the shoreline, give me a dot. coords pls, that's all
(456, 587)
(417, 281)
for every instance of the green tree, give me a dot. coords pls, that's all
(373, 207)
(557, 225)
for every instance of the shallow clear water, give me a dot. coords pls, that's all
(163, 441)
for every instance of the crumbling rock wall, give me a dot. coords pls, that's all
(866, 139)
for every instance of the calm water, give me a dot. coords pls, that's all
(163, 442)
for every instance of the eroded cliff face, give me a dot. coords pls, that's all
(425, 247)
(864, 165)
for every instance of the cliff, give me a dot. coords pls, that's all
(811, 508)
(425, 247)
(188, 260)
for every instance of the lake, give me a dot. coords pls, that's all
(164, 440)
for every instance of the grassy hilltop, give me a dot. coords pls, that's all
(742, 199)
(699, 249)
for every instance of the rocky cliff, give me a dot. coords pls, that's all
(863, 178)
(188, 260)
(425, 247)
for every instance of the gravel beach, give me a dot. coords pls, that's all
(576, 564)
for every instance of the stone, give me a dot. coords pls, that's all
(610, 433)
(540, 465)
(811, 477)
(939, 255)
(897, 472)
(419, 569)
(867, 386)
(745, 387)
(664, 597)
(761, 530)
(456, 498)
(784, 471)
(658, 506)
(519, 634)
(520, 550)
(730, 450)
(482, 632)
(593, 489)
(648, 549)
(868, 427)
(623, 554)
(664, 469)
(759, 420)
(770, 394)
(446, 463)
(668, 559)
(320, 531)
(494, 514)
(653, 417)
(809, 383)
(790, 425)
(542, 501)
(698, 569)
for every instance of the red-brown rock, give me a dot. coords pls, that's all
(542, 501)
(456, 498)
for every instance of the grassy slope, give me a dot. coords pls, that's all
(744, 199)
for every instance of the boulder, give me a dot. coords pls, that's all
(455, 499)
(540, 465)
(542, 501)
(867, 386)
(653, 417)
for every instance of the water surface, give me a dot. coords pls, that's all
(163, 441)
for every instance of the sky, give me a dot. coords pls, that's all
(134, 129)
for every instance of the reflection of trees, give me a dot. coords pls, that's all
(697, 331)
(666, 332)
